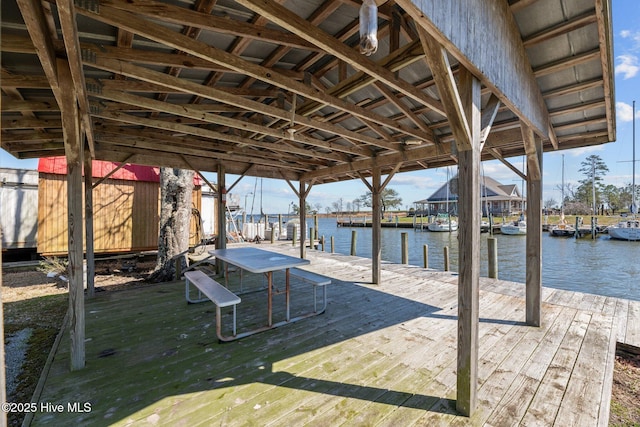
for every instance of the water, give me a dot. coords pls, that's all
(603, 266)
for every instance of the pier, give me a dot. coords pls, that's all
(381, 355)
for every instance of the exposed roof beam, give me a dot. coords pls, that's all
(186, 86)
(66, 13)
(292, 22)
(443, 76)
(180, 15)
(565, 63)
(181, 42)
(605, 39)
(209, 134)
(560, 29)
(497, 58)
(187, 111)
(496, 153)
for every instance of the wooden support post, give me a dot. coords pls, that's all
(303, 218)
(3, 388)
(446, 258)
(312, 237)
(404, 237)
(534, 233)
(273, 235)
(76, 287)
(88, 224)
(469, 245)
(73, 150)
(333, 245)
(294, 236)
(279, 225)
(425, 256)
(316, 224)
(221, 241)
(376, 225)
(323, 249)
(354, 236)
(492, 250)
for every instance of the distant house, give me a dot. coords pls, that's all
(497, 199)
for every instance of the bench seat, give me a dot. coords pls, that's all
(214, 291)
(316, 280)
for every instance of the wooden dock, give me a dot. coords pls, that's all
(381, 355)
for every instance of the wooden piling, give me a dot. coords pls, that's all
(312, 237)
(279, 226)
(354, 234)
(492, 249)
(333, 245)
(425, 256)
(404, 238)
(294, 237)
(446, 258)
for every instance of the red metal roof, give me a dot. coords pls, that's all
(100, 169)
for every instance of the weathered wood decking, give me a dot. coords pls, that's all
(381, 355)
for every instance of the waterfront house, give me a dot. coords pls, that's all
(497, 199)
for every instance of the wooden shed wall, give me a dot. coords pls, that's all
(125, 215)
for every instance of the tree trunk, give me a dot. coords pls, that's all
(176, 187)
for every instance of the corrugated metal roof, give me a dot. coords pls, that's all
(199, 84)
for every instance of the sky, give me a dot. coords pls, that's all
(277, 196)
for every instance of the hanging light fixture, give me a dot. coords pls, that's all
(368, 27)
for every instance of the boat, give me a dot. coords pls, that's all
(629, 229)
(562, 229)
(625, 230)
(443, 223)
(514, 228)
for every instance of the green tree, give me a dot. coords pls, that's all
(614, 197)
(593, 169)
(388, 197)
(295, 209)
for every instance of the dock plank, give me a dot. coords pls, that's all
(632, 335)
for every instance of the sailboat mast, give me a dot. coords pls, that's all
(633, 173)
(562, 189)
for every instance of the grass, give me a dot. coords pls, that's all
(43, 315)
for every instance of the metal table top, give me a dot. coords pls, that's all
(257, 260)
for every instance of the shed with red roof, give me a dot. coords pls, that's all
(126, 207)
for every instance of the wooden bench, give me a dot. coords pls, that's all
(316, 280)
(214, 291)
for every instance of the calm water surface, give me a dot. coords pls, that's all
(602, 266)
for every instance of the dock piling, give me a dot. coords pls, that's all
(446, 258)
(492, 248)
(404, 238)
(353, 242)
(425, 256)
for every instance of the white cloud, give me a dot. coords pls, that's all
(628, 66)
(413, 180)
(582, 151)
(632, 35)
(624, 112)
